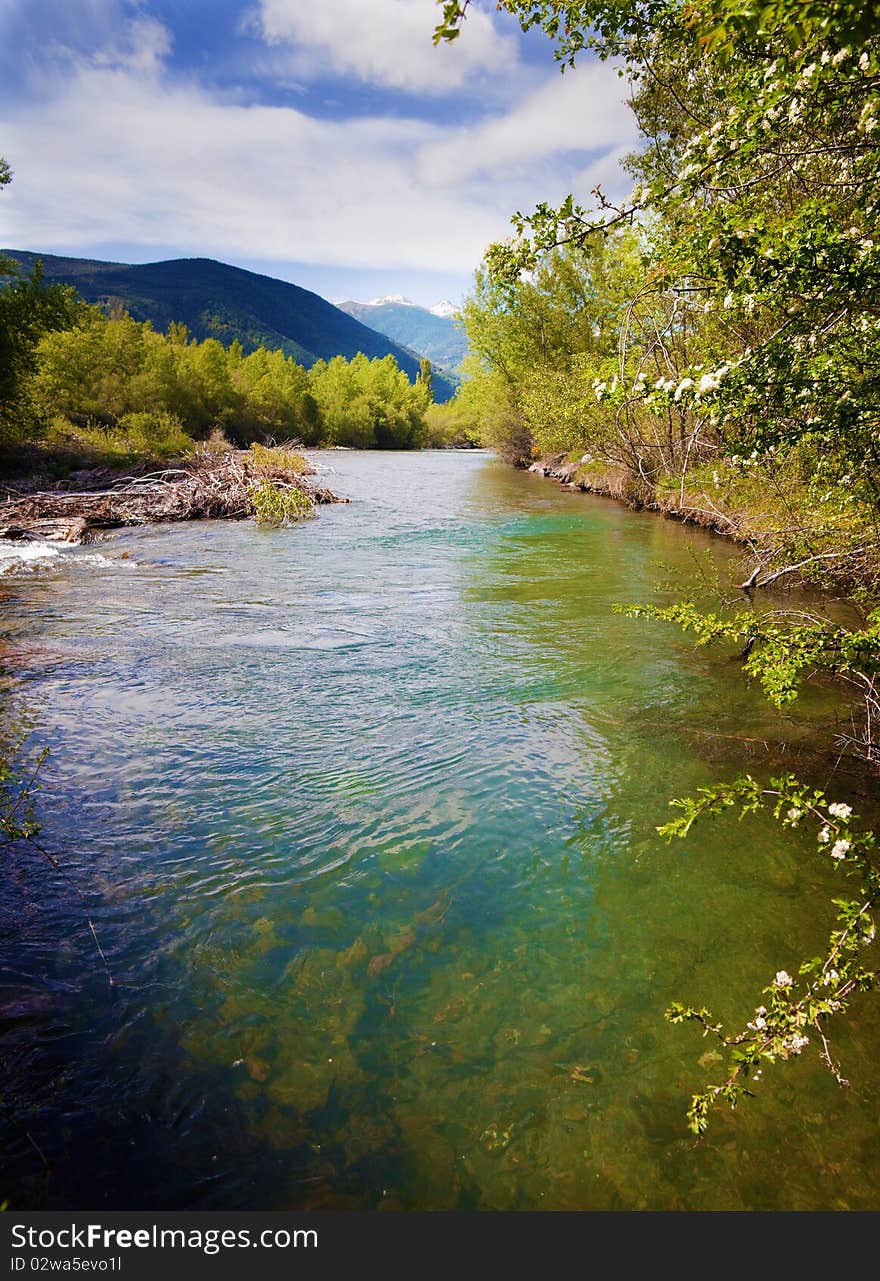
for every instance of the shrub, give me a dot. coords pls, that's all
(280, 504)
(268, 459)
(157, 435)
(217, 442)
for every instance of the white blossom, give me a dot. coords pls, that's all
(839, 848)
(795, 1043)
(783, 979)
(839, 810)
(759, 1021)
(712, 380)
(824, 836)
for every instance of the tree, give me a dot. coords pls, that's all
(426, 377)
(29, 308)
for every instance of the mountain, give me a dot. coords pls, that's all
(215, 300)
(429, 330)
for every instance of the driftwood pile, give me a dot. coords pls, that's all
(208, 486)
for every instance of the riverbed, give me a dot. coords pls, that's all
(364, 814)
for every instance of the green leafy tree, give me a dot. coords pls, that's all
(29, 308)
(368, 404)
(426, 377)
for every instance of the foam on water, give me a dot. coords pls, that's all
(29, 557)
(17, 556)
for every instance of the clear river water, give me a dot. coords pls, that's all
(364, 813)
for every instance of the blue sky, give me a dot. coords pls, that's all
(326, 142)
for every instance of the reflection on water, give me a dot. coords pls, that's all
(365, 812)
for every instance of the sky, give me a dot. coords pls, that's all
(324, 142)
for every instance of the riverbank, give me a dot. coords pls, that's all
(208, 485)
(828, 551)
(592, 476)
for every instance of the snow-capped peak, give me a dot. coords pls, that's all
(392, 298)
(444, 309)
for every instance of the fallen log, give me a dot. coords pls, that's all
(206, 487)
(58, 530)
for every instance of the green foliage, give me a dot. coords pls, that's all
(156, 434)
(720, 23)
(746, 321)
(780, 654)
(275, 396)
(426, 378)
(214, 300)
(29, 308)
(450, 426)
(102, 371)
(134, 437)
(268, 458)
(793, 1008)
(17, 782)
(275, 503)
(368, 404)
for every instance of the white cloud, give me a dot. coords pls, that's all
(143, 45)
(115, 152)
(385, 42)
(116, 158)
(35, 34)
(583, 110)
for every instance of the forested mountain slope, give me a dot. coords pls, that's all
(215, 300)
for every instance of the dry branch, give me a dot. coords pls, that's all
(208, 486)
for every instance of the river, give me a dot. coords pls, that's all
(364, 813)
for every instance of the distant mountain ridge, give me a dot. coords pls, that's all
(216, 300)
(444, 308)
(430, 330)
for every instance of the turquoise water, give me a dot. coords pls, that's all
(364, 814)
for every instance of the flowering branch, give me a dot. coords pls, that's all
(793, 1008)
